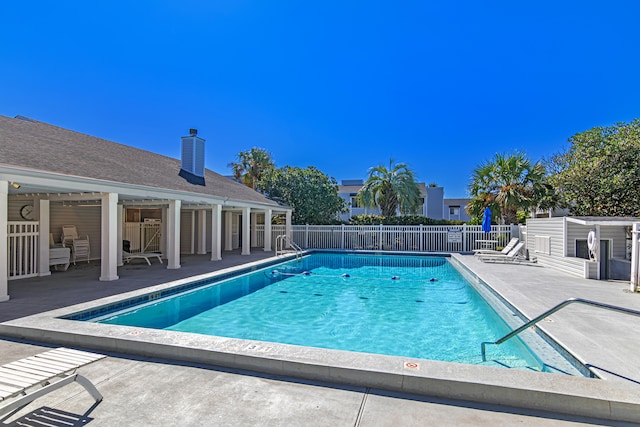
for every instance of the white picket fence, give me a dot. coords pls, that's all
(422, 238)
(22, 248)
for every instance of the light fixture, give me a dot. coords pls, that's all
(14, 185)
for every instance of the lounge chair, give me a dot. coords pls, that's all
(18, 379)
(80, 247)
(58, 256)
(127, 256)
(514, 255)
(514, 241)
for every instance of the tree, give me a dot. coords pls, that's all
(508, 184)
(391, 189)
(312, 194)
(600, 172)
(251, 165)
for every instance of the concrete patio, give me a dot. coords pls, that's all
(149, 391)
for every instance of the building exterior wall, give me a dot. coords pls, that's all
(562, 236)
(433, 202)
(459, 205)
(553, 229)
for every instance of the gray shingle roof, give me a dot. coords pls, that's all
(40, 146)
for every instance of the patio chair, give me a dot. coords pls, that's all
(80, 248)
(19, 379)
(127, 256)
(514, 255)
(514, 241)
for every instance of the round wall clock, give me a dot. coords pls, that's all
(26, 212)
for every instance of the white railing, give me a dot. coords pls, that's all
(142, 237)
(422, 238)
(22, 248)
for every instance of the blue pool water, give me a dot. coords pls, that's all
(419, 307)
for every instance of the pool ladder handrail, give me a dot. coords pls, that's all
(553, 310)
(281, 242)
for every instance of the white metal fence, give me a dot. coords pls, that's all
(423, 238)
(23, 248)
(142, 237)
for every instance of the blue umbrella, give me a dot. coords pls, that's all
(486, 220)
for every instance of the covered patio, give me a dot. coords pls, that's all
(52, 178)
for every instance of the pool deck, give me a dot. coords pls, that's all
(142, 390)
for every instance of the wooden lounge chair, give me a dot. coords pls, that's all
(50, 370)
(514, 255)
(127, 256)
(504, 251)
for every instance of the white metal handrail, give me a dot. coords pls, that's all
(553, 310)
(281, 243)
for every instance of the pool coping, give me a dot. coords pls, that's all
(518, 388)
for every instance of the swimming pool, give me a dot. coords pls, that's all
(411, 306)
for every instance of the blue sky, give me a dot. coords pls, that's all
(340, 85)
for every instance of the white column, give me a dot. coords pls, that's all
(43, 255)
(4, 258)
(216, 233)
(267, 230)
(228, 231)
(287, 228)
(109, 237)
(635, 257)
(202, 232)
(119, 221)
(164, 234)
(254, 230)
(598, 251)
(173, 234)
(192, 230)
(246, 231)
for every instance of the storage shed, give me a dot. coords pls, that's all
(588, 247)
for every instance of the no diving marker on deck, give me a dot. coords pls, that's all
(412, 365)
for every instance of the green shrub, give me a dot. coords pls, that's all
(400, 220)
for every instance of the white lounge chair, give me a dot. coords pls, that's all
(80, 247)
(514, 255)
(127, 256)
(514, 241)
(58, 256)
(18, 379)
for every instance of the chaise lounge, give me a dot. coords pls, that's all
(514, 255)
(19, 379)
(514, 241)
(127, 256)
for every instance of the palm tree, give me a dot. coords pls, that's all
(509, 183)
(251, 165)
(391, 189)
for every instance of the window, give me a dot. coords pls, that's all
(454, 211)
(542, 244)
(354, 200)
